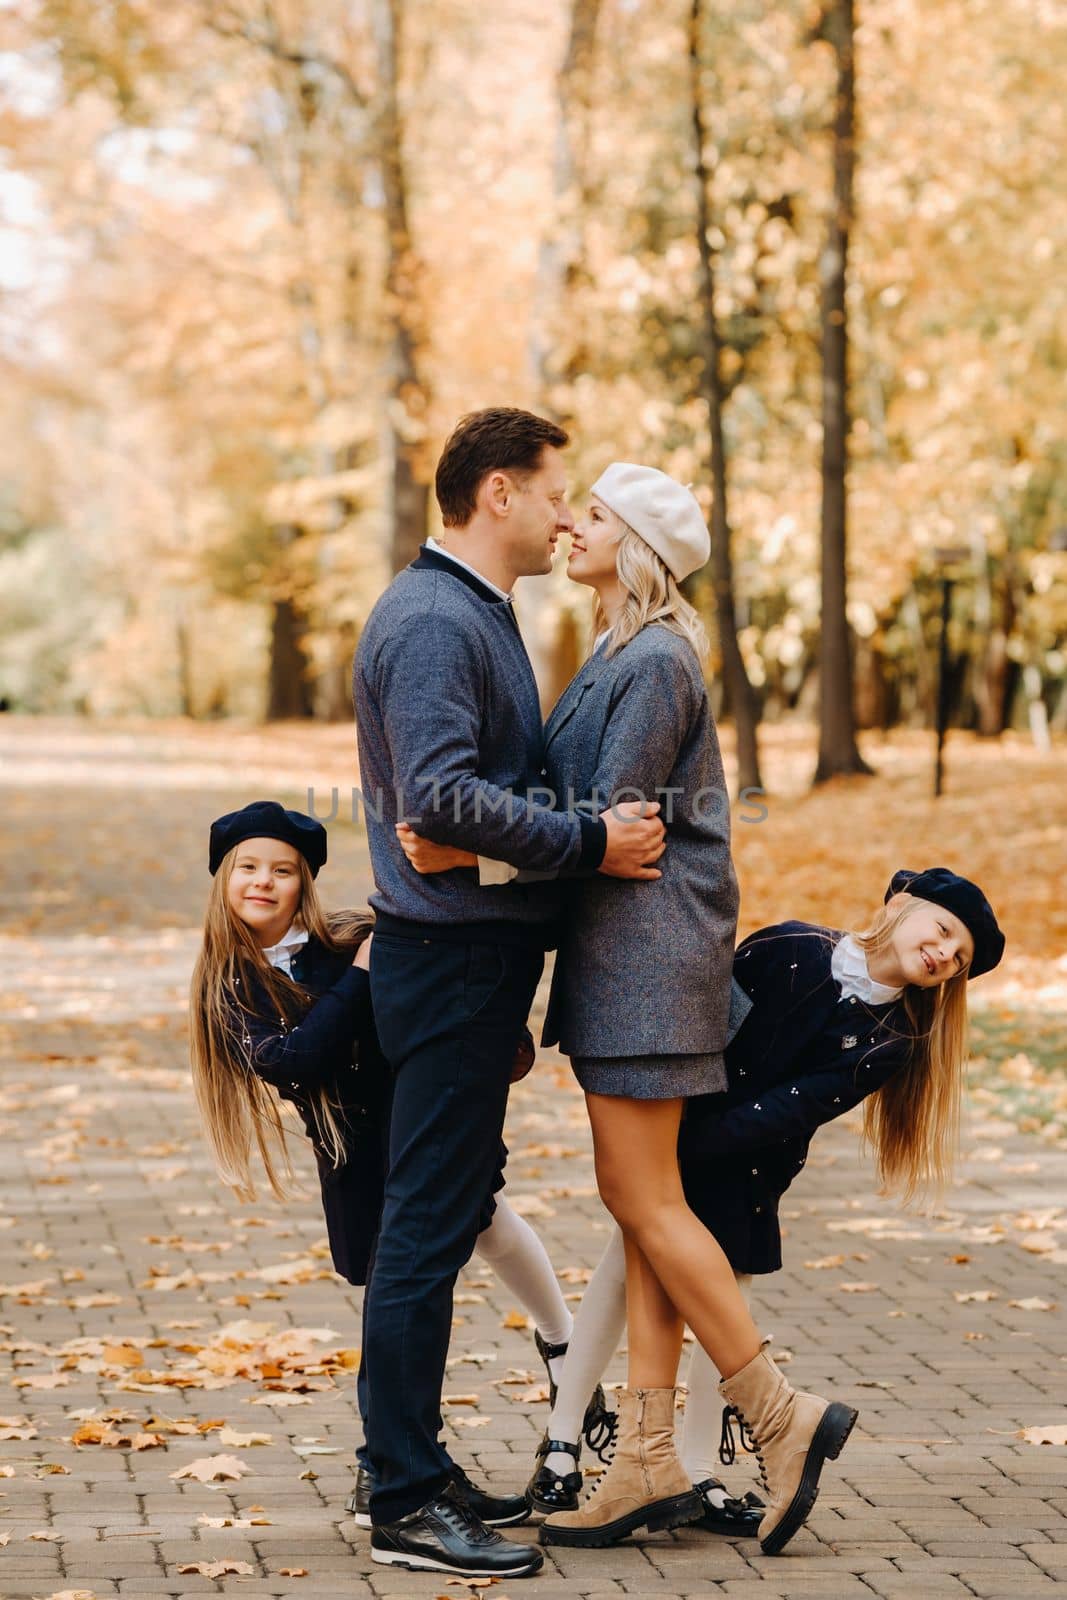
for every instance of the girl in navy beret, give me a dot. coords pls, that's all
(822, 1020)
(281, 1011)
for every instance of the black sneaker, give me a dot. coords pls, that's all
(444, 1535)
(358, 1501)
(496, 1511)
(739, 1519)
(555, 1491)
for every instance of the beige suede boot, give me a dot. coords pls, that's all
(793, 1433)
(645, 1486)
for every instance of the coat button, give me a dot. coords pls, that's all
(758, 1210)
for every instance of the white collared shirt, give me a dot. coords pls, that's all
(439, 549)
(282, 953)
(849, 966)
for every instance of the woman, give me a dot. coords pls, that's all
(640, 1001)
(878, 1017)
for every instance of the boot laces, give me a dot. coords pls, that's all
(600, 1427)
(748, 1440)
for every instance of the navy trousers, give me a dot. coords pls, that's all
(449, 1018)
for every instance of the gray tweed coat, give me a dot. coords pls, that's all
(644, 968)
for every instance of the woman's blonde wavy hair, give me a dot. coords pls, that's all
(912, 1122)
(239, 1111)
(652, 595)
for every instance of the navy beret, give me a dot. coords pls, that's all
(962, 897)
(266, 819)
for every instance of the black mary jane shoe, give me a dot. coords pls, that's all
(555, 1491)
(738, 1519)
(495, 1510)
(444, 1535)
(600, 1425)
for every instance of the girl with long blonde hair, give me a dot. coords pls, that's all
(824, 1020)
(281, 1011)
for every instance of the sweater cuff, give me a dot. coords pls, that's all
(594, 842)
(353, 984)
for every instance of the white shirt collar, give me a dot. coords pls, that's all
(282, 953)
(849, 966)
(439, 549)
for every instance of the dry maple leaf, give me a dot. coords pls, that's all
(1056, 1436)
(966, 1297)
(1041, 1243)
(234, 1522)
(857, 1288)
(243, 1441)
(292, 1572)
(1032, 1303)
(459, 1400)
(218, 1569)
(825, 1261)
(122, 1355)
(516, 1319)
(213, 1469)
(72, 1594)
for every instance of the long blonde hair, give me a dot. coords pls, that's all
(239, 1111)
(912, 1122)
(652, 595)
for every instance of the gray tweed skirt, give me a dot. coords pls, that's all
(650, 1077)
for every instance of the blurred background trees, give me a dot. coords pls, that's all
(256, 256)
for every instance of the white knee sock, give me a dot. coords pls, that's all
(703, 1409)
(598, 1329)
(511, 1247)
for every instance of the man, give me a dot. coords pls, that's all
(449, 728)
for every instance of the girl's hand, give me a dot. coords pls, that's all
(363, 954)
(425, 856)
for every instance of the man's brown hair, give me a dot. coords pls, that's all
(500, 439)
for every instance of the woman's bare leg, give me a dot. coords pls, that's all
(654, 1336)
(635, 1146)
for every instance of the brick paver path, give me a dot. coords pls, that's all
(121, 1258)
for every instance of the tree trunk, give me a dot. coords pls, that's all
(289, 693)
(407, 401)
(561, 254)
(838, 751)
(739, 690)
(554, 349)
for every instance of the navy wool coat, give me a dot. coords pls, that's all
(644, 968)
(334, 1047)
(802, 1056)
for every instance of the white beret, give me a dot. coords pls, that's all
(665, 514)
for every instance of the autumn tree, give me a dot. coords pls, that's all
(838, 750)
(742, 698)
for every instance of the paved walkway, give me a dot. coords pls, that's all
(137, 1301)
